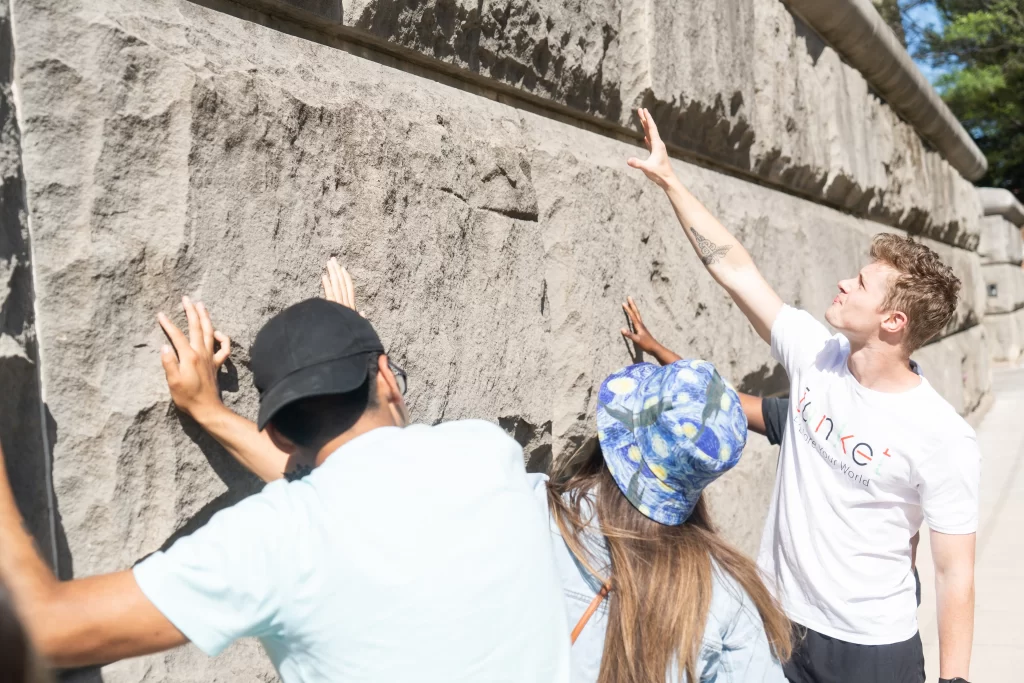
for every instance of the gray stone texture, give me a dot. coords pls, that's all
(1000, 241)
(168, 149)
(1004, 287)
(740, 82)
(958, 367)
(1005, 335)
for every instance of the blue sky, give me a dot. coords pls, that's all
(926, 16)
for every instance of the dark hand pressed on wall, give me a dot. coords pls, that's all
(642, 337)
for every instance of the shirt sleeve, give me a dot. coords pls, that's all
(948, 483)
(797, 338)
(774, 412)
(224, 581)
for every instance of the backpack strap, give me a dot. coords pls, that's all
(591, 608)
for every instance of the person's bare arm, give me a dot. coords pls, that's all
(642, 337)
(724, 257)
(755, 416)
(76, 623)
(953, 555)
(191, 367)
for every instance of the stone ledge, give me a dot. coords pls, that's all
(774, 104)
(1000, 241)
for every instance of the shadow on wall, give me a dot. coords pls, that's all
(239, 481)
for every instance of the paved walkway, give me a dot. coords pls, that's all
(999, 608)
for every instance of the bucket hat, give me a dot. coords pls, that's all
(667, 432)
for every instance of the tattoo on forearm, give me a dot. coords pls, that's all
(710, 253)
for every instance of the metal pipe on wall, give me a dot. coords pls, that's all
(859, 34)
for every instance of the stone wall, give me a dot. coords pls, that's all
(487, 214)
(1002, 250)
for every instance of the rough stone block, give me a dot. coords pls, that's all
(958, 367)
(1000, 241)
(742, 83)
(1004, 285)
(1005, 335)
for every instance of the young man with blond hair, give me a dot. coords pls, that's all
(871, 451)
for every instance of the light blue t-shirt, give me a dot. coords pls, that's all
(415, 554)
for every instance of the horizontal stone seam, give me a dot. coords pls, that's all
(998, 314)
(302, 24)
(1017, 307)
(985, 264)
(962, 330)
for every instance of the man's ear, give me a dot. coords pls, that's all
(388, 393)
(895, 322)
(387, 384)
(280, 441)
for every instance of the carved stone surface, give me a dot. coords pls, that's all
(1000, 241)
(741, 82)
(171, 149)
(1004, 283)
(1005, 335)
(958, 367)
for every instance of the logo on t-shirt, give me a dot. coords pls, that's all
(838, 444)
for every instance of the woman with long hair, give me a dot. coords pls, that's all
(655, 593)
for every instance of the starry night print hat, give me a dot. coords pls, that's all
(667, 432)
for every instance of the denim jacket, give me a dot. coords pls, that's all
(734, 649)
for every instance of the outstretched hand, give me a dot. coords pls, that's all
(656, 166)
(192, 364)
(641, 336)
(338, 285)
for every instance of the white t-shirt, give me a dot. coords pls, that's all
(414, 554)
(858, 473)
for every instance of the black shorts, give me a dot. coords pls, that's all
(820, 659)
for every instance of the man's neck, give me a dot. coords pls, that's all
(882, 367)
(367, 423)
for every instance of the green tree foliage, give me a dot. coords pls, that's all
(979, 49)
(893, 15)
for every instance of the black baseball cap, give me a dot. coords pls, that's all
(314, 348)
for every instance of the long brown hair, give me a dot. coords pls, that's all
(661, 577)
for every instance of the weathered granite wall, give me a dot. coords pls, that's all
(741, 82)
(171, 148)
(1001, 250)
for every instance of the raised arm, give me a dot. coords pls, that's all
(642, 338)
(724, 257)
(192, 364)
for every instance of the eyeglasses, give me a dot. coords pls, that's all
(400, 377)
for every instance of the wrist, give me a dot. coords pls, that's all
(666, 180)
(204, 411)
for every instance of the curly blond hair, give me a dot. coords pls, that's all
(925, 289)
